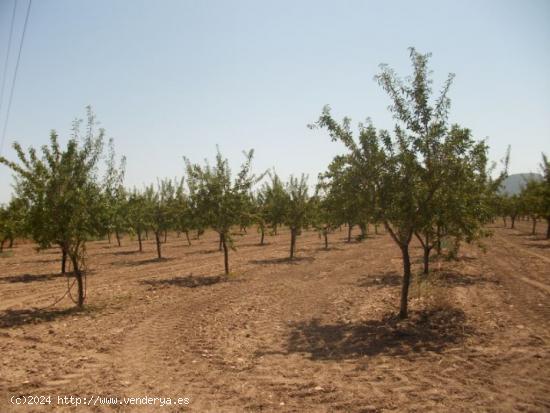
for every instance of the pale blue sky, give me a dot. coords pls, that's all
(175, 78)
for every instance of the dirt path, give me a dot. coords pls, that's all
(315, 335)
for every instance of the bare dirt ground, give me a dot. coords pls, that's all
(315, 335)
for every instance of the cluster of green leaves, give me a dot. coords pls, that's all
(12, 221)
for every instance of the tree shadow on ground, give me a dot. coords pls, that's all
(14, 318)
(521, 234)
(330, 248)
(455, 278)
(189, 281)
(422, 331)
(27, 278)
(204, 252)
(285, 260)
(128, 252)
(388, 279)
(42, 260)
(142, 262)
(539, 245)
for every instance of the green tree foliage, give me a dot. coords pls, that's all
(12, 221)
(139, 215)
(183, 212)
(532, 199)
(220, 199)
(274, 199)
(545, 192)
(348, 204)
(115, 196)
(323, 216)
(63, 194)
(161, 204)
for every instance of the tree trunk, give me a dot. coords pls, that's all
(263, 235)
(147, 235)
(187, 236)
(157, 238)
(225, 254)
(11, 243)
(275, 229)
(548, 228)
(364, 230)
(63, 260)
(292, 242)
(403, 311)
(79, 280)
(2, 245)
(349, 232)
(534, 228)
(513, 222)
(326, 239)
(438, 241)
(504, 221)
(117, 238)
(376, 229)
(427, 250)
(139, 241)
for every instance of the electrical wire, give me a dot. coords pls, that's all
(6, 61)
(15, 77)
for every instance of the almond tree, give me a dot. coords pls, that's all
(115, 196)
(461, 206)
(160, 202)
(221, 199)
(260, 213)
(532, 195)
(545, 192)
(349, 205)
(274, 201)
(62, 193)
(298, 210)
(139, 215)
(12, 221)
(403, 171)
(323, 217)
(183, 212)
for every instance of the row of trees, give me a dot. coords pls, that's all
(533, 202)
(61, 200)
(426, 179)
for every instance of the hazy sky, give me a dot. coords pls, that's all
(169, 79)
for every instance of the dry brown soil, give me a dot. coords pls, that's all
(314, 335)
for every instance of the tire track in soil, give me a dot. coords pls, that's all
(524, 338)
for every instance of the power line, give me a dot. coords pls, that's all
(5, 74)
(15, 76)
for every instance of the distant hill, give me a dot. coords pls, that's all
(513, 183)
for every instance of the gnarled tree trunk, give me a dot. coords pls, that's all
(403, 311)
